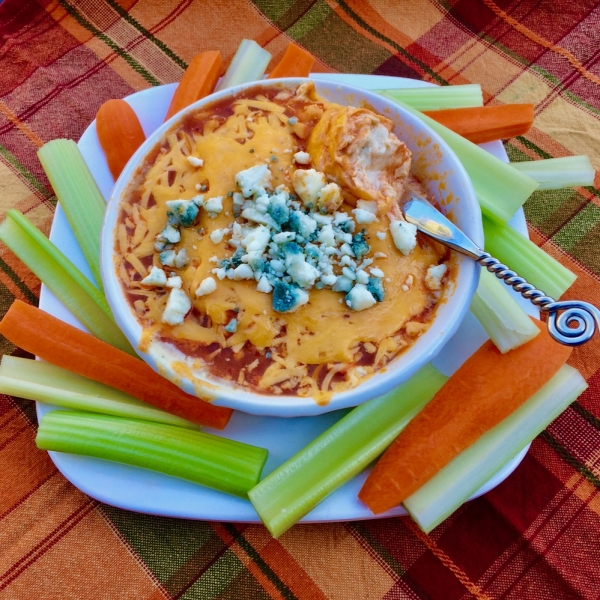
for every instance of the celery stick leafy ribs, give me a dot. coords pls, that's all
(248, 64)
(527, 259)
(340, 453)
(216, 462)
(437, 97)
(62, 277)
(558, 173)
(49, 384)
(505, 322)
(78, 195)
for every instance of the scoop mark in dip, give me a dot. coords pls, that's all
(281, 264)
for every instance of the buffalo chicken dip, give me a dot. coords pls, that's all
(262, 242)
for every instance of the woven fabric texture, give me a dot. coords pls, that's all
(534, 536)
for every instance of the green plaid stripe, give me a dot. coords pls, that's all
(129, 19)
(133, 63)
(27, 176)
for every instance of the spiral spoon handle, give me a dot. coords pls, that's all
(575, 326)
(570, 322)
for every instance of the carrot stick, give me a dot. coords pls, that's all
(70, 348)
(120, 133)
(199, 80)
(296, 62)
(481, 124)
(485, 390)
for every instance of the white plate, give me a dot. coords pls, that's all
(148, 492)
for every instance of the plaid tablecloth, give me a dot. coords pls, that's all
(537, 535)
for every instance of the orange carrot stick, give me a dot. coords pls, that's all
(296, 62)
(481, 124)
(199, 80)
(119, 132)
(486, 389)
(70, 348)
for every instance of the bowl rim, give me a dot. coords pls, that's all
(287, 405)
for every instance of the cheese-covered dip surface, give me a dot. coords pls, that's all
(263, 240)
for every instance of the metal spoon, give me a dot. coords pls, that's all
(575, 326)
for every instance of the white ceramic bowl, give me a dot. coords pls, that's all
(446, 180)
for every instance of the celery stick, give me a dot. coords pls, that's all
(438, 97)
(501, 190)
(341, 452)
(47, 383)
(61, 276)
(506, 323)
(528, 260)
(558, 173)
(78, 195)
(216, 462)
(472, 468)
(249, 64)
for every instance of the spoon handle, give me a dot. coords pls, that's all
(577, 321)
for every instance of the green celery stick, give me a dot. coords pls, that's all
(505, 322)
(248, 64)
(341, 452)
(437, 97)
(47, 383)
(460, 479)
(528, 260)
(501, 190)
(558, 173)
(215, 462)
(78, 195)
(61, 276)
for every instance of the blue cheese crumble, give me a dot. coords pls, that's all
(302, 158)
(359, 297)
(231, 327)
(195, 161)
(289, 247)
(253, 180)
(207, 286)
(314, 191)
(217, 236)
(435, 274)
(286, 242)
(365, 212)
(287, 297)
(404, 235)
(308, 184)
(174, 281)
(167, 237)
(181, 212)
(178, 305)
(213, 206)
(173, 259)
(156, 278)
